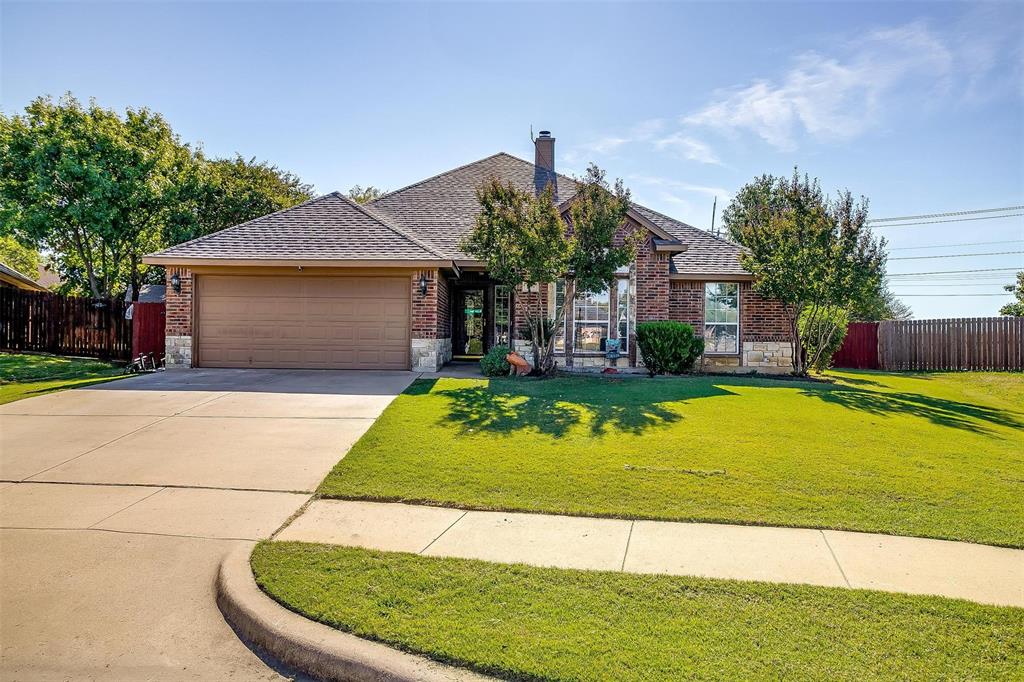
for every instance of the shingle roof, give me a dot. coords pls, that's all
(443, 208)
(424, 221)
(705, 253)
(330, 227)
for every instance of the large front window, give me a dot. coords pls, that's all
(721, 317)
(594, 317)
(591, 316)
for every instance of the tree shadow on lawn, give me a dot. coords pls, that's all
(944, 412)
(634, 406)
(554, 406)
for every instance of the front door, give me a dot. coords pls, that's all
(469, 336)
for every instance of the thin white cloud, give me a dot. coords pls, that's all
(833, 98)
(680, 186)
(689, 148)
(608, 145)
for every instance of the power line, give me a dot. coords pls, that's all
(943, 215)
(952, 220)
(946, 272)
(947, 246)
(959, 255)
(948, 284)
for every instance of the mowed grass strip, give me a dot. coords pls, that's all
(932, 455)
(523, 622)
(25, 375)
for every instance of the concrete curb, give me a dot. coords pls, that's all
(313, 648)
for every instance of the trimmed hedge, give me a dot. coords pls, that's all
(668, 347)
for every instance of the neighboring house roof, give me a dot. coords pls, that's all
(327, 228)
(12, 277)
(148, 293)
(423, 221)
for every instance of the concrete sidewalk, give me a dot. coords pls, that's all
(991, 575)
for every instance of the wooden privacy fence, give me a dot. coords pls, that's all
(148, 329)
(860, 347)
(63, 325)
(973, 343)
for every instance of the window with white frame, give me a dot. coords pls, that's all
(502, 314)
(721, 317)
(624, 306)
(593, 317)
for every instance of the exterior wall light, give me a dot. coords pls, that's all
(423, 284)
(176, 283)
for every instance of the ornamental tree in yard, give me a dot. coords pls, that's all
(525, 242)
(813, 254)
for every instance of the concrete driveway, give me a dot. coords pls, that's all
(117, 503)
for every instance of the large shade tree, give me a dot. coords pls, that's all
(99, 190)
(814, 254)
(525, 243)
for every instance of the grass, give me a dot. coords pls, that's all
(523, 622)
(25, 376)
(933, 455)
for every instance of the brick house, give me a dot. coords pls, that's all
(334, 284)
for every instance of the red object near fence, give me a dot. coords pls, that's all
(860, 347)
(148, 329)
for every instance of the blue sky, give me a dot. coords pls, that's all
(918, 106)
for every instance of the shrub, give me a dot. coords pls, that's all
(668, 347)
(494, 363)
(822, 334)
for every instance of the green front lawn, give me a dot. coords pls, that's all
(935, 455)
(25, 376)
(522, 622)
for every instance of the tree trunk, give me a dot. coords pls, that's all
(570, 333)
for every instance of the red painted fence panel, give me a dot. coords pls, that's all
(148, 329)
(860, 347)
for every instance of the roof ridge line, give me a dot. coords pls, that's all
(438, 175)
(385, 221)
(232, 227)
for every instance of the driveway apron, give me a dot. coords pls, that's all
(117, 503)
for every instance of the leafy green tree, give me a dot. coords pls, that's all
(215, 194)
(99, 191)
(1015, 308)
(89, 186)
(22, 258)
(364, 195)
(813, 254)
(881, 304)
(525, 242)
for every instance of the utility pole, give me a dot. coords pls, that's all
(714, 208)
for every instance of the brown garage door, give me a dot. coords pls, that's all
(315, 322)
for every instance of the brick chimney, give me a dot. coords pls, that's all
(544, 163)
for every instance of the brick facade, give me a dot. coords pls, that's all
(179, 305)
(686, 302)
(652, 283)
(761, 319)
(430, 332)
(178, 321)
(764, 334)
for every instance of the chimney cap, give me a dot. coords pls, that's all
(544, 133)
